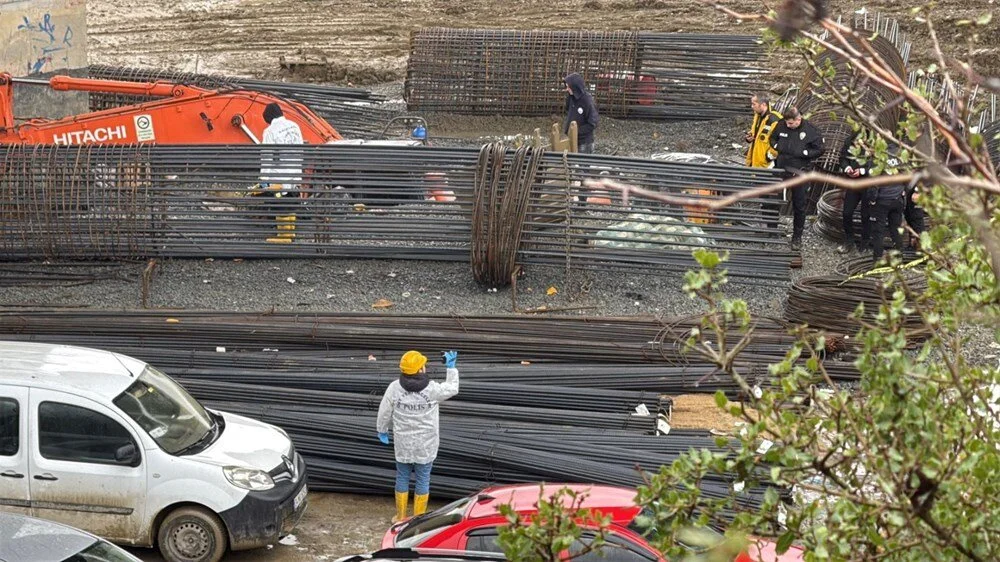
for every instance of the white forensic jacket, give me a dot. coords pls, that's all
(286, 171)
(413, 417)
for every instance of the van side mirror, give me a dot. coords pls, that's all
(127, 454)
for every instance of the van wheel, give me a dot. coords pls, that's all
(192, 534)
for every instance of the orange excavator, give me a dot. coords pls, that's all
(184, 115)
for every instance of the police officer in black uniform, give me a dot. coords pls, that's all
(888, 205)
(795, 145)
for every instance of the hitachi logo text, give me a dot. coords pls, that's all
(103, 134)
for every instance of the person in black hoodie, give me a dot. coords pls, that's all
(795, 145)
(888, 203)
(580, 107)
(853, 167)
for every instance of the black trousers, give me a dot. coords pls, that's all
(800, 197)
(887, 214)
(914, 214)
(853, 198)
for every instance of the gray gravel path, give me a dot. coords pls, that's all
(413, 286)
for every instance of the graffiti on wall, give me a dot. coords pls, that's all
(49, 43)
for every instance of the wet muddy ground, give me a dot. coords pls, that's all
(367, 41)
(334, 525)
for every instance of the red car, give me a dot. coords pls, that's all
(471, 524)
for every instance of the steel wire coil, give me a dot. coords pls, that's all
(830, 209)
(829, 302)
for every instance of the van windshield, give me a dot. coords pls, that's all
(174, 419)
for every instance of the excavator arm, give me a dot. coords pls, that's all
(185, 115)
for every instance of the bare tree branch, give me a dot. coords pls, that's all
(715, 204)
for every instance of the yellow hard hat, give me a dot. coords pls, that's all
(412, 362)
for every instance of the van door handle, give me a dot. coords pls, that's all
(11, 474)
(45, 476)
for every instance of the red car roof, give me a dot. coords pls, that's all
(618, 503)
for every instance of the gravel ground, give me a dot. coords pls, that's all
(721, 138)
(413, 286)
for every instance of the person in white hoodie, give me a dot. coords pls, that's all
(281, 178)
(286, 173)
(410, 407)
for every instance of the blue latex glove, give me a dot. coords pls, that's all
(384, 438)
(450, 358)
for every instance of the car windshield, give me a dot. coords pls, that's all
(696, 540)
(174, 419)
(101, 551)
(423, 526)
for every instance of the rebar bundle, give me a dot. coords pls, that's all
(991, 135)
(817, 96)
(354, 112)
(48, 274)
(357, 370)
(669, 76)
(343, 455)
(556, 420)
(589, 352)
(981, 108)
(502, 198)
(829, 302)
(390, 202)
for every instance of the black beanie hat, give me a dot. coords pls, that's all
(272, 111)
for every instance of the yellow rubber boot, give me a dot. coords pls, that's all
(420, 503)
(402, 498)
(286, 230)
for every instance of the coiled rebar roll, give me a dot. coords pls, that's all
(828, 302)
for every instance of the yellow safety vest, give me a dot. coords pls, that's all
(761, 130)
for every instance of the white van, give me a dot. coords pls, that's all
(108, 444)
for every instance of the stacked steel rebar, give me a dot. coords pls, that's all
(599, 349)
(568, 399)
(669, 76)
(354, 112)
(51, 274)
(979, 108)
(390, 202)
(343, 455)
(991, 135)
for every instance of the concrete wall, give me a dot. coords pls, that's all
(40, 38)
